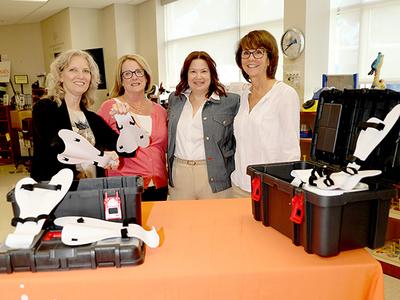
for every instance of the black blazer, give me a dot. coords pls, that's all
(47, 119)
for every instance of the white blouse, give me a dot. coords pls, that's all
(268, 134)
(144, 122)
(190, 134)
(81, 126)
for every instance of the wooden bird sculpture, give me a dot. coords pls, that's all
(376, 70)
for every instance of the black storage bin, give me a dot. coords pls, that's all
(50, 254)
(330, 224)
(84, 198)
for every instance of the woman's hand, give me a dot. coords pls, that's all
(119, 108)
(113, 162)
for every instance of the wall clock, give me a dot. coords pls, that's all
(292, 43)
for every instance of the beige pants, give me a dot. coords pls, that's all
(191, 182)
(237, 192)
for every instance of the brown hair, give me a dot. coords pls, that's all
(118, 88)
(259, 39)
(215, 85)
(54, 85)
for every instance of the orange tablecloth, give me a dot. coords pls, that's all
(211, 249)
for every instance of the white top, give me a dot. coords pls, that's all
(268, 134)
(190, 134)
(144, 122)
(81, 126)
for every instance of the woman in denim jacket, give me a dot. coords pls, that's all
(201, 145)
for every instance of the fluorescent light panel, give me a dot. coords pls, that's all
(30, 0)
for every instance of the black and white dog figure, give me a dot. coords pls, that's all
(79, 150)
(131, 135)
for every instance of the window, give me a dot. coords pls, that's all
(359, 30)
(216, 27)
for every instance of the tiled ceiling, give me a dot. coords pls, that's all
(32, 11)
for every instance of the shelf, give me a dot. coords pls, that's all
(307, 120)
(394, 214)
(306, 140)
(6, 151)
(308, 113)
(389, 254)
(389, 257)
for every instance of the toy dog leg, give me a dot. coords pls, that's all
(371, 137)
(84, 230)
(78, 150)
(35, 202)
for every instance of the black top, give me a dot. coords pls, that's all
(47, 119)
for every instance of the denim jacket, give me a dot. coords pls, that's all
(219, 142)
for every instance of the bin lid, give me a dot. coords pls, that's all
(339, 119)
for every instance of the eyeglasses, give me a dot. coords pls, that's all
(128, 74)
(258, 53)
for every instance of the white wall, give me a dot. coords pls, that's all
(86, 33)
(22, 44)
(146, 32)
(312, 18)
(109, 41)
(56, 35)
(85, 24)
(316, 45)
(126, 20)
(294, 16)
(111, 28)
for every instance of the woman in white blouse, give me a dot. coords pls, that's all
(266, 126)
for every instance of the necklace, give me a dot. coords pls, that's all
(140, 107)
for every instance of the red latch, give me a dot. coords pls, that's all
(112, 207)
(51, 235)
(297, 208)
(256, 188)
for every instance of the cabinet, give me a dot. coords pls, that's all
(21, 133)
(37, 93)
(389, 255)
(307, 120)
(6, 153)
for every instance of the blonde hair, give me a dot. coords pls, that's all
(54, 85)
(118, 88)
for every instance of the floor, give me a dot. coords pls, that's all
(9, 175)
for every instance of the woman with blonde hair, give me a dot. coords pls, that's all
(72, 84)
(132, 83)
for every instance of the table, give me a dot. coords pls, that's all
(211, 249)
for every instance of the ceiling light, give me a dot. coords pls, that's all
(30, 0)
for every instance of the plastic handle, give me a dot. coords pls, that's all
(256, 188)
(297, 213)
